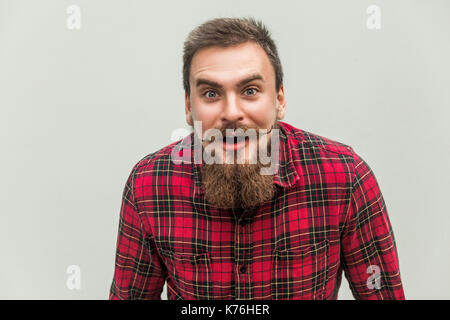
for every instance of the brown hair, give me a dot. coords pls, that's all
(225, 32)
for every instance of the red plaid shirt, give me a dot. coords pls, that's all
(328, 216)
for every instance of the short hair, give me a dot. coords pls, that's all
(226, 32)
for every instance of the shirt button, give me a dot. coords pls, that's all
(242, 269)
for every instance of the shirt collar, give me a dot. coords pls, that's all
(286, 175)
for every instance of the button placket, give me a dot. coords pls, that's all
(242, 249)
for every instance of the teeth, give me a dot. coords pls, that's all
(233, 139)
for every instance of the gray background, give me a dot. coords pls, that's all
(78, 108)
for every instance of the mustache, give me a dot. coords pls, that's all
(245, 128)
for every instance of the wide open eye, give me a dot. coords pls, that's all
(254, 90)
(206, 94)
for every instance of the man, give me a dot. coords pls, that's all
(227, 229)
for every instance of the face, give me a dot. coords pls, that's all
(234, 87)
(223, 94)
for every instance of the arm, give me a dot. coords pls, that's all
(368, 249)
(139, 272)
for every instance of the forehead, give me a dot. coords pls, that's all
(231, 63)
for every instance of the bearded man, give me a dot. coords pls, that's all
(212, 218)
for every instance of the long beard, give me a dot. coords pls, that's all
(236, 185)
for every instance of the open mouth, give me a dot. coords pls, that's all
(234, 142)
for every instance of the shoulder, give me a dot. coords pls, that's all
(313, 140)
(154, 164)
(309, 148)
(337, 162)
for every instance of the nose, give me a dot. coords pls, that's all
(232, 111)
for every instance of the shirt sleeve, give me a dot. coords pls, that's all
(369, 255)
(139, 272)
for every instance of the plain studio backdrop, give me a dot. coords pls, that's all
(79, 107)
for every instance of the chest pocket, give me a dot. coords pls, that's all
(301, 272)
(189, 274)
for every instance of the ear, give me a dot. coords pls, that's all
(281, 103)
(187, 107)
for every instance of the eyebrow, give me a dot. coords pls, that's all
(255, 76)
